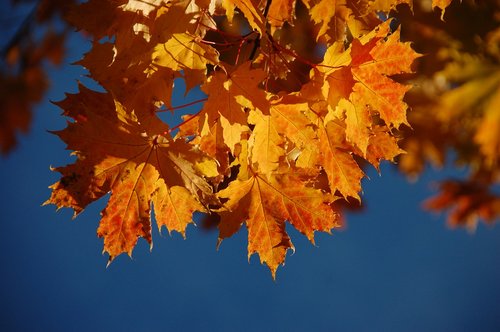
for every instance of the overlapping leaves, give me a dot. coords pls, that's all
(260, 152)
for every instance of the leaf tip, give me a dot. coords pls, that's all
(110, 259)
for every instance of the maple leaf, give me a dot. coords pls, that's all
(135, 84)
(358, 123)
(280, 12)
(280, 151)
(281, 128)
(264, 203)
(149, 49)
(229, 98)
(289, 117)
(343, 172)
(348, 93)
(382, 145)
(338, 19)
(360, 75)
(144, 7)
(171, 20)
(387, 5)
(266, 142)
(323, 12)
(468, 201)
(139, 163)
(89, 16)
(184, 51)
(249, 10)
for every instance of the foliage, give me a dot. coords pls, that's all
(23, 79)
(456, 106)
(302, 95)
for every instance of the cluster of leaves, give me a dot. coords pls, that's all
(456, 105)
(23, 79)
(284, 132)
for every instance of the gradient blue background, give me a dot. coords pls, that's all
(395, 267)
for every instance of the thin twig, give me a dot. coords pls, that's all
(184, 105)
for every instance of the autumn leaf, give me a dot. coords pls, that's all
(266, 142)
(478, 90)
(144, 7)
(361, 75)
(280, 12)
(382, 145)
(388, 5)
(358, 123)
(344, 174)
(288, 117)
(264, 203)
(139, 163)
(325, 13)
(454, 107)
(278, 138)
(230, 97)
(468, 202)
(340, 18)
(249, 10)
(350, 91)
(25, 56)
(184, 51)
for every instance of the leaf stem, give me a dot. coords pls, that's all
(184, 122)
(184, 105)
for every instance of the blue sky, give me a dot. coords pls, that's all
(394, 268)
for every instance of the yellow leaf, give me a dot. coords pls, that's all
(251, 13)
(184, 51)
(281, 11)
(358, 123)
(266, 142)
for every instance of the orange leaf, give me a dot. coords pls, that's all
(138, 162)
(281, 11)
(382, 145)
(360, 74)
(343, 172)
(264, 204)
(358, 123)
(250, 11)
(230, 97)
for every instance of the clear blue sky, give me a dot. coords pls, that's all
(395, 267)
